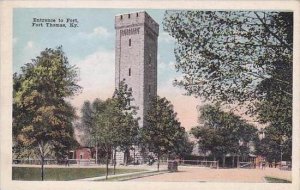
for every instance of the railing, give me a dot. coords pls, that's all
(199, 163)
(247, 165)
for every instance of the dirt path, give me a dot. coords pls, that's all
(195, 174)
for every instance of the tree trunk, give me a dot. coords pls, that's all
(224, 161)
(232, 161)
(158, 161)
(115, 154)
(42, 167)
(126, 154)
(107, 165)
(238, 161)
(96, 154)
(133, 155)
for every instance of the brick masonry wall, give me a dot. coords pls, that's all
(136, 57)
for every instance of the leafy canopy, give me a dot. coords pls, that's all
(163, 133)
(42, 118)
(223, 132)
(228, 53)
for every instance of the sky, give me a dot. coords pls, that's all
(91, 48)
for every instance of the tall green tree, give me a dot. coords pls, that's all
(224, 133)
(42, 118)
(105, 130)
(162, 131)
(126, 120)
(111, 124)
(87, 124)
(238, 57)
(183, 146)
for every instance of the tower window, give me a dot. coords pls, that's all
(121, 16)
(128, 15)
(129, 72)
(150, 59)
(129, 42)
(137, 14)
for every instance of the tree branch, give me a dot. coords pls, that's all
(276, 36)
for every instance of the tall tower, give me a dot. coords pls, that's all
(136, 58)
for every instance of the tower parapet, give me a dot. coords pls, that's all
(136, 19)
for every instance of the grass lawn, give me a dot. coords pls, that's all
(62, 174)
(276, 180)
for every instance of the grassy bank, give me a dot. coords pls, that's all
(134, 176)
(63, 174)
(276, 180)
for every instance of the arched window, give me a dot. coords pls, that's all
(129, 71)
(128, 15)
(129, 42)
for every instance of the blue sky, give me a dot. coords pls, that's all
(91, 48)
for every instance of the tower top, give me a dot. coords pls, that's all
(136, 19)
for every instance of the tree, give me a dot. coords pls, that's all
(87, 122)
(273, 146)
(110, 124)
(105, 131)
(183, 146)
(238, 57)
(126, 120)
(162, 131)
(276, 111)
(42, 119)
(223, 133)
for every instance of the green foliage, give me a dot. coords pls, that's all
(239, 57)
(227, 53)
(163, 133)
(111, 121)
(184, 147)
(223, 133)
(110, 124)
(42, 119)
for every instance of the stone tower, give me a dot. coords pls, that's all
(136, 57)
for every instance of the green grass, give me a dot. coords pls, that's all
(62, 174)
(276, 180)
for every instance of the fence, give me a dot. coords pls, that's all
(198, 163)
(83, 162)
(248, 165)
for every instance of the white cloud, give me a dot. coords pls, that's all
(29, 45)
(166, 67)
(97, 32)
(15, 40)
(171, 65)
(97, 72)
(165, 37)
(101, 31)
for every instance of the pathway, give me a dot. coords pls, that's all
(195, 174)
